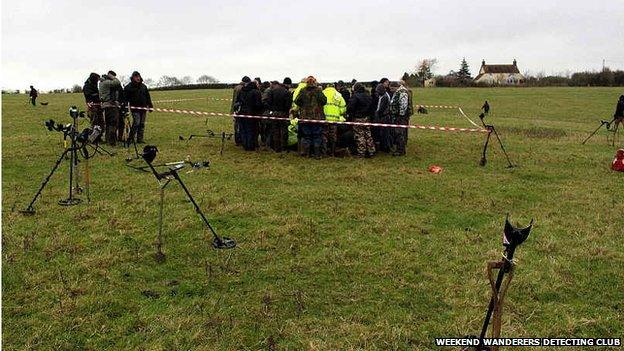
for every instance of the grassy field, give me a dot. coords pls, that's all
(333, 254)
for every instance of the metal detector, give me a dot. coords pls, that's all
(210, 134)
(607, 125)
(71, 132)
(512, 238)
(491, 129)
(164, 178)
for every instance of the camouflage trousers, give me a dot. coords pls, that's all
(330, 138)
(96, 116)
(400, 135)
(363, 139)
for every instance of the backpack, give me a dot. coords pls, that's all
(618, 161)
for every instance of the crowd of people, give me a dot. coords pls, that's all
(106, 99)
(387, 102)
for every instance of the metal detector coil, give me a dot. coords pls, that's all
(149, 155)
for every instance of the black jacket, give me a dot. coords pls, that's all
(279, 100)
(346, 94)
(137, 95)
(360, 104)
(250, 100)
(619, 109)
(90, 89)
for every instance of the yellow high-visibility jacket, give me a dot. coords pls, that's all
(336, 106)
(296, 93)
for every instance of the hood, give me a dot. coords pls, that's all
(250, 86)
(310, 87)
(359, 88)
(93, 79)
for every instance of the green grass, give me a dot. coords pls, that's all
(349, 254)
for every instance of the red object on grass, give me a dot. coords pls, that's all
(435, 169)
(618, 161)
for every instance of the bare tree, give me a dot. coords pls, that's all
(124, 79)
(425, 68)
(168, 81)
(206, 79)
(186, 80)
(76, 89)
(149, 82)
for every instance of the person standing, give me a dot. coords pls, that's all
(92, 98)
(335, 110)
(618, 116)
(400, 111)
(343, 90)
(250, 101)
(486, 108)
(235, 107)
(278, 103)
(382, 113)
(264, 124)
(137, 95)
(33, 95)
(110, 94)
(311, 102)
(359, 109)
(378, 91)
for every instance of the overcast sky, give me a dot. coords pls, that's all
(53, 44)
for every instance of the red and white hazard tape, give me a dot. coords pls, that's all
(383, 125)
(194, 99)
(439, 106)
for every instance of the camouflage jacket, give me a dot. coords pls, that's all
(311, 101)
(400, 103)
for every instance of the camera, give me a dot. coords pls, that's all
(89, 135)
(53, 126)
(75, 113)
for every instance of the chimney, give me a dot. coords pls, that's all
(483, 63)
(514, 62)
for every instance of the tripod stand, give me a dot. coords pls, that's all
(608, 127)
(491, 129)
(72, 150)
(164, 178)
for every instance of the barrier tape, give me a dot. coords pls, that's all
(193, 99)
(368, 124)
(439, 106)
(468, 118)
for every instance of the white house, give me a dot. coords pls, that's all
(499, 74)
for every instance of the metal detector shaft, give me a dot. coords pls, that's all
(500, 142)
(197, 209)
(592, 134)
(45, 182)
(499, 280)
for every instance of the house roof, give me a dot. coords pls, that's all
(500, 69)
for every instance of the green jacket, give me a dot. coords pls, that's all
(311, 101)
(296, 94)
(110, 90)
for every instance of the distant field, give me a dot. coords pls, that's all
(333, 254)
